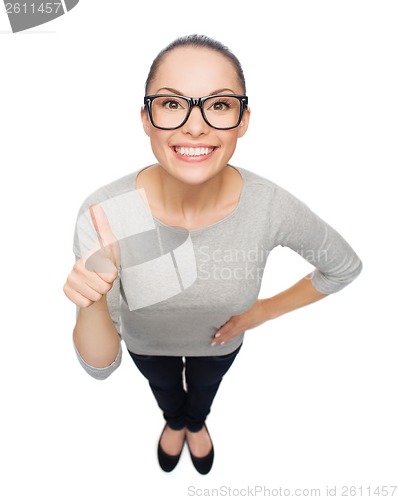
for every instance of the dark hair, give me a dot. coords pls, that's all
(196, 41)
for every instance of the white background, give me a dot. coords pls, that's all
(311, 400)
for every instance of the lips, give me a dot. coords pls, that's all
(193, 151)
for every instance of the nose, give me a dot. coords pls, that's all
(195, 125)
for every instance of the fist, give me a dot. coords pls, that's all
(93, 275)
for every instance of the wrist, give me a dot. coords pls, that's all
(100, 306)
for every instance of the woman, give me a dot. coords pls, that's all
(184, 330)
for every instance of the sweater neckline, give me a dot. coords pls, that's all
(208, 226)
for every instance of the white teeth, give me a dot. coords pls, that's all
(193, 151)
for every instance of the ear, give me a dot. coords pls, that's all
(145, 121)
(244, 124)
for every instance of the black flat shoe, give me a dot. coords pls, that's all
(167, 462)
(203, 464)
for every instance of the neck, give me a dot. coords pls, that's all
(190, 201)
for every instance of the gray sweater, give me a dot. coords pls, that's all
(177, 287)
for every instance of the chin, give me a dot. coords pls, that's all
(193, 174)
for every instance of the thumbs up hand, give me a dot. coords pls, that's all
(93, 275)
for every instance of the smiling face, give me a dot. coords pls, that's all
(194, 152)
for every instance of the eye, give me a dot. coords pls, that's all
(171, 104)
(220, 106)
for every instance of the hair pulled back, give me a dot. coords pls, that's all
(200, 41)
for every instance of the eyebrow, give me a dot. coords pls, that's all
(177, 92)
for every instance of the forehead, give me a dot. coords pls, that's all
(196, 71)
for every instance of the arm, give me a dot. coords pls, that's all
(300, 294)
(96, 336)
(336, 264)
(297, 227)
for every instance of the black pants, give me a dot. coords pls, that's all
(184, 406)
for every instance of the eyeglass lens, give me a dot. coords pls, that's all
(171, 111)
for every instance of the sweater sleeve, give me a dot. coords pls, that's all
(100, 373)
(297, 227)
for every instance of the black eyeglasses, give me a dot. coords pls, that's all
(170, 111)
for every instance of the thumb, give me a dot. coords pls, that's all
(108, 241)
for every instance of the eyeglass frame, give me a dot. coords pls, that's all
(196, 101)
